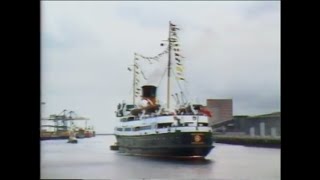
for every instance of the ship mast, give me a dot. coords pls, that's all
(169, 66)
(134, 79)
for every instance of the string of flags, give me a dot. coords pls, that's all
(179, 68)
(139, 72)
(137, 90)
(155, 58)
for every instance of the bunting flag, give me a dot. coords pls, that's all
(173, 40)
(156, 58)
(174, 29)
(136, 92)
(136, 69)
(180, 78)
(179, 68)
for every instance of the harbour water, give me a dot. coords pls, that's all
(92, 158)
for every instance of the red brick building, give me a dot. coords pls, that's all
(222, 110)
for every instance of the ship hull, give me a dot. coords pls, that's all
(180, 145)
(54, 137)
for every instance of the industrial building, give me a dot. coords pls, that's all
(261, 125)
(224, 121)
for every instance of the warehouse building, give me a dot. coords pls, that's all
(261, 125)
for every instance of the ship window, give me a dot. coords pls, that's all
(203, 124)
(130, 118)
(119, 129)
(136, 129)
(129, 107)
(127, 129)
(142, 128)
(188, 123)
(127, 119)
(164, 125)
(145, 127)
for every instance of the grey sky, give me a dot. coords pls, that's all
(232, 50)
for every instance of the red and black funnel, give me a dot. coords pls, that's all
(149, 92)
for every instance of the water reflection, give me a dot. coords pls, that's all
(93, 159)
(170, 160)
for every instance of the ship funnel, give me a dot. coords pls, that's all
(149, 92)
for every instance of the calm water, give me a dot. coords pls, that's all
(92, 159)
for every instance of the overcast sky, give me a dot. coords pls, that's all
(231, 50)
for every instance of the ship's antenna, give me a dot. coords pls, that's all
(174, 98)
(178, 99)
(169, 66)
(183, 98)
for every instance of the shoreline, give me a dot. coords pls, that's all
(249, 141)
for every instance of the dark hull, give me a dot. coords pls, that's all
(54, 138)
(181, 144)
